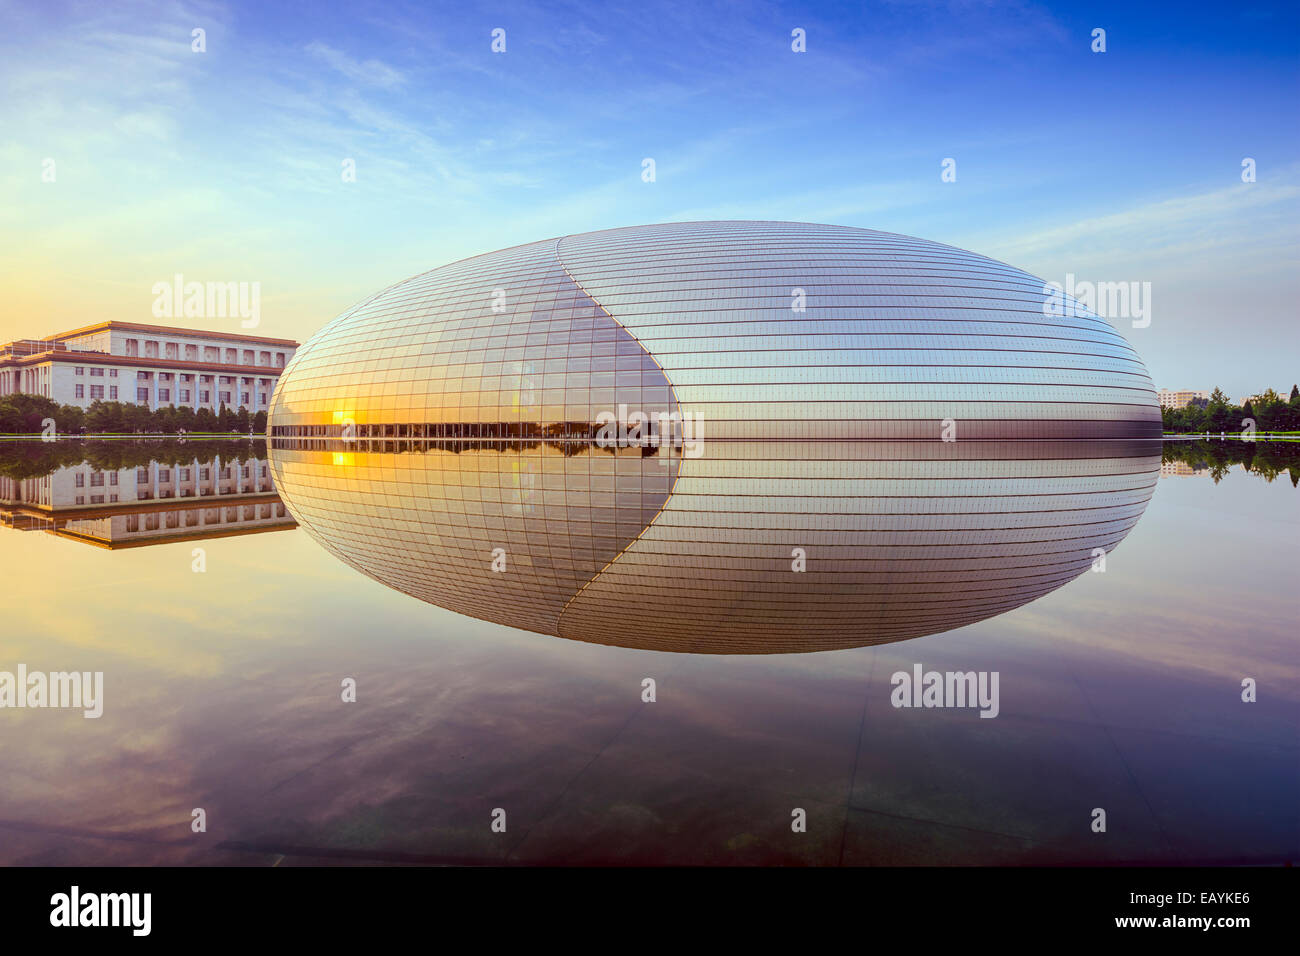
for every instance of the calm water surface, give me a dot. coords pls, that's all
(1121, 690)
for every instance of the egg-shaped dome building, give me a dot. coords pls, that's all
(719, 436)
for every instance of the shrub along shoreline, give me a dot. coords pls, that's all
(22, 414)
(1271, 413)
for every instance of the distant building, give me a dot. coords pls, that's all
(150, 365)
(1171, 469)
(149, 504)
(1170, 398)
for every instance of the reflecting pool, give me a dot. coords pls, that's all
(226, 655)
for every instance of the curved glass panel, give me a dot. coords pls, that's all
(634, 436)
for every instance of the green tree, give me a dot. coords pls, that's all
(138, 418)
(164, 420)
(71, 419)
(26, 414)
(1219, 415)
(185, 418)
(11, 420)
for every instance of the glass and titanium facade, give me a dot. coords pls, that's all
(853, 437)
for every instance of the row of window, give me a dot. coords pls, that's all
(185, 379)
(168, 376)
(97, 391)
(96, 479)
(210, 516)
(183, 474)
(165, 395)
(165, 474)
(211, 353)
(247, 489)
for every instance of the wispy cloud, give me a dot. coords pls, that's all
(367, 72)
(1205, 219)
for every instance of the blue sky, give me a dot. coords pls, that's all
(225, 165)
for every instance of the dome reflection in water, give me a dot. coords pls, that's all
(756, 547)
